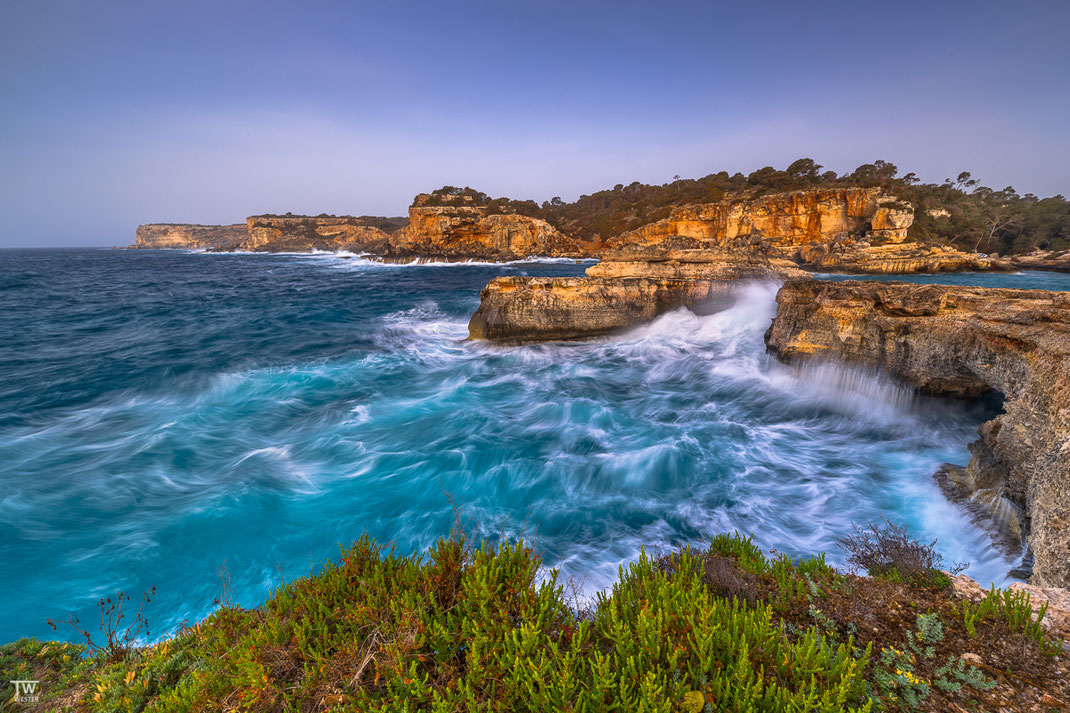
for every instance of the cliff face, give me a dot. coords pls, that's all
(173, 235)
(963, 341)
(782, 221)
(842, 230)
(468, 232)
(294, 233)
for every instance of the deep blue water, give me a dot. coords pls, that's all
(166, 414)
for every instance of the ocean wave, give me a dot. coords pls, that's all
(269, 412)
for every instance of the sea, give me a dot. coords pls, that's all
(197, 422)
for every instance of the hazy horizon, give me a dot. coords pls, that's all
(128, 113)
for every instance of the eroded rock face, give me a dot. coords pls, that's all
(468, 232)
(273, 233)
(523, 309)
(896, 259)
(963, 341)
(855, 230)
(526, 309)
(173, 235)
(781, 221)
(1043, 260)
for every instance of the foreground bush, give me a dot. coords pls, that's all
(723, 629)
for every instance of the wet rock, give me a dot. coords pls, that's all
(526, 309)
(963, 341)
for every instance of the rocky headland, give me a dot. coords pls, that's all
(467, 231)
(460, 231)
(170, 236)
(853, 230)
(691, 258)
(300, 233)
(963, 342)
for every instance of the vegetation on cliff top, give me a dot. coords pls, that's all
(719, 629)
(977, 218)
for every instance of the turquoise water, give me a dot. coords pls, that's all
(1029, 280)
(166, 414)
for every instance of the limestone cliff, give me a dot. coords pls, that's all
(780, 221)
(473, 232)
(837, 230)
(963, 341)
(297, 233)
(176, 235)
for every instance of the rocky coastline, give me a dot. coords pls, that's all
(860, 230)
(952, 341)
(446, 233)
(1043, 260)
(171, 236)
(963, 342)
(692, 258)
(949, 341)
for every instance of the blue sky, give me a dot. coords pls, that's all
(120, 113)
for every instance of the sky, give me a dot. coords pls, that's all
(115, 113)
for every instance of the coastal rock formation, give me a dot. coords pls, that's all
(897, 259)
(963, 341)
(472, 232)
(293, 233)
(854, 230)
(525, 309)
(177, 235)
(1043, 260)
(780, 221)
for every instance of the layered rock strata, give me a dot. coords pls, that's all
(526, 309)
(472, 232)
(170, 236)
(295, 233)
(859, 230)
(963, 341)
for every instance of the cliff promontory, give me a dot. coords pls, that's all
(296, 233)
(963, 341)
(464, 230)
(176, 235)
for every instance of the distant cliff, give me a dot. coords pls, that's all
(176, 235)
(466, 230)
(859, 230)
(295, 233)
